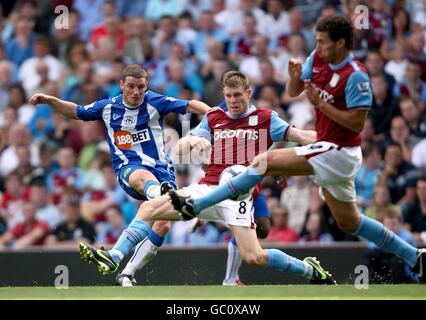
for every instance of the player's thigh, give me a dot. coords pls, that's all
(248, 244)
(346, 214)
(282, 162)
(138, 178)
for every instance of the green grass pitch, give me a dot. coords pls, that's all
(250, 292)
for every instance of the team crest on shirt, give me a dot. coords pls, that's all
(334, 80)
(253, 120)
(129, 121)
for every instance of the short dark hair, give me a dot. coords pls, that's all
(337, 27)
(135, 71)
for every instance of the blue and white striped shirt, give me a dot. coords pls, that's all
(134, 135)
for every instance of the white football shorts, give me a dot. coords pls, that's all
(335, 167)
(230, 212)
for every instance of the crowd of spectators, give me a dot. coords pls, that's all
(57, 186)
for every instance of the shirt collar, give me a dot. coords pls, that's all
(341, 64)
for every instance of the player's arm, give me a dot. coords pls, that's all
(5, 239)
(302, 137)
(198, 107)
(280, 131)
(199, 139)
(67, 108)
(358, 97)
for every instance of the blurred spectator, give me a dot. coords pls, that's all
(165, 36)
(27, 233)
(268, 78)
(18, 101)
(41, 49)
(367, 176)
(20, 47)
(397, 66)
(67, 175)
(74, 228)
(379, 21)
(415, 215)
(41, 124)
(251, 65)
(280, 231)
(6, 80)
(374, 63)
(91, 15)
(114, 227)
(45, 210)
(418, 156)
(295, 50)
(416, 50)
(400, 29)
(17, 135)
(213, 87)
(138, 31)
(276, 22)
(178, 81)
(399, 176)
(380, 203)
(414, 117)
(315, 231)
(110, 28)
(196, 7)
(296, 23)
(73, 86)
(400, 134)
(91, 133)
(207, 29)
(14, 195)
(177, 53)
(66, 38)
(95, 202)
(156, 9)
(412, 86)
(241, 44)
(186, 30)
(296, 198)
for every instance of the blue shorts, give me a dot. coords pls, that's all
(162, 174)
(261, 209)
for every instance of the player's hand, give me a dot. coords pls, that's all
(199, 143)
(39, 98)
(312, 93)
(295, 69)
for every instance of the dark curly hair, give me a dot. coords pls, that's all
(337, 27)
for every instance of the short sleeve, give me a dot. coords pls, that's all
(203, 129)
(279, 128)
(93, 111)
(307, 67)
(165, 104)
(358, 91)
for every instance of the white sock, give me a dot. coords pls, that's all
(233, 263)
(309, 271)
(145, 251)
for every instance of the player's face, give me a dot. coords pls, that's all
(133, 90)
(237, 99)
(327, 49)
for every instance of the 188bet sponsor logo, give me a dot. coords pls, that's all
(126, 139)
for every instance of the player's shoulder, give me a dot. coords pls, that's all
(115, 100)
(215, 111)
